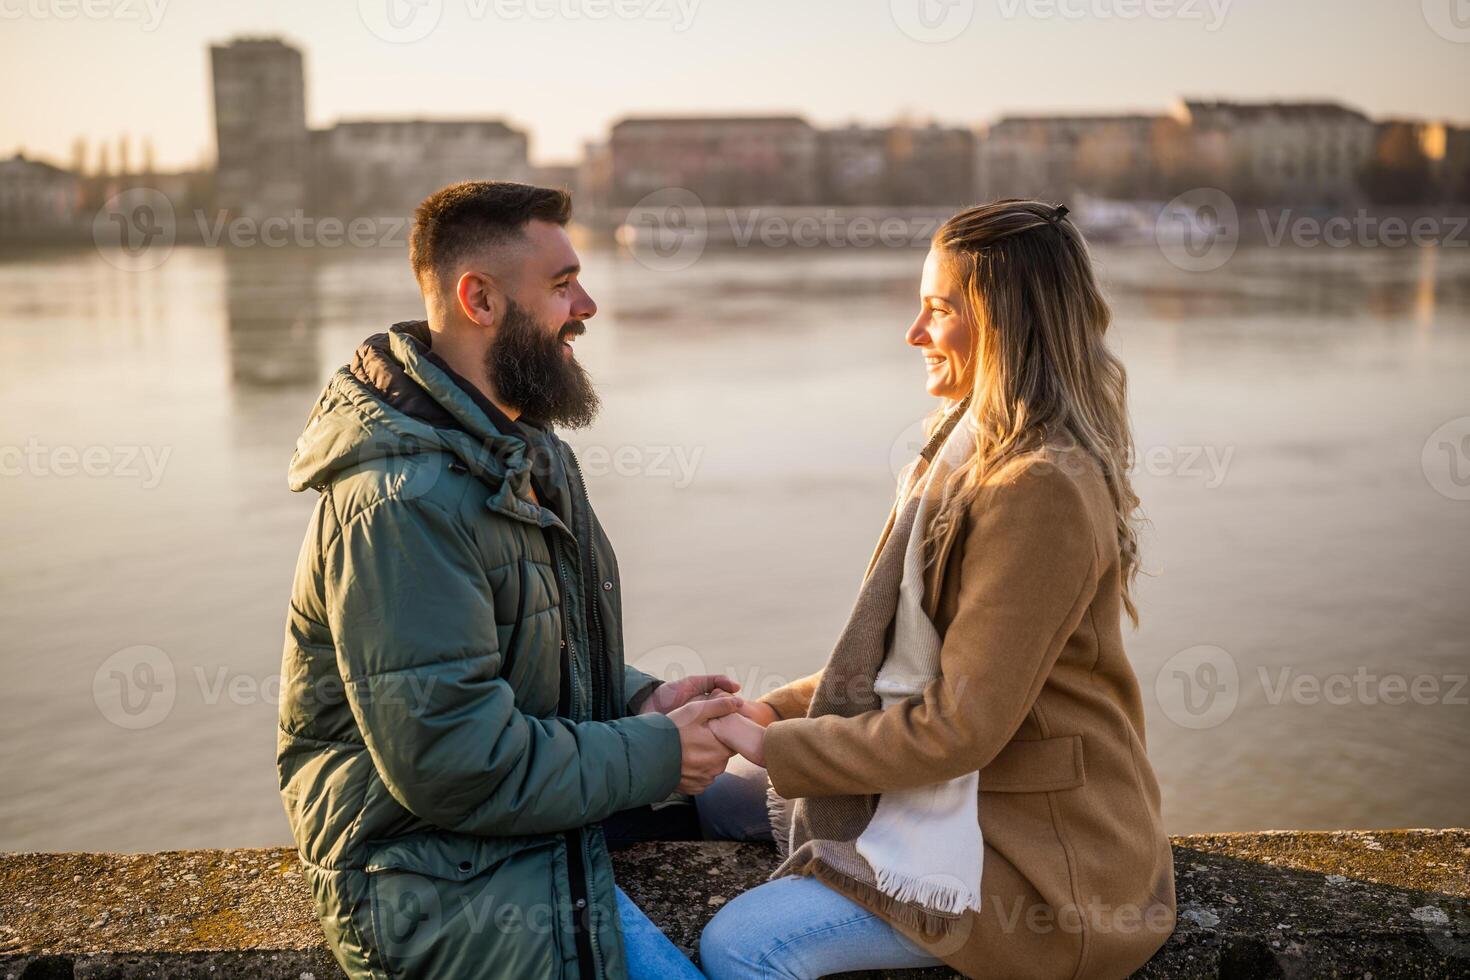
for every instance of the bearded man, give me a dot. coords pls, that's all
(456, 718)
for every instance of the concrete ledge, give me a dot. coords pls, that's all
(1282, 904)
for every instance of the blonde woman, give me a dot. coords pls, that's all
(969, 773)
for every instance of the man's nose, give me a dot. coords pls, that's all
(584, 307)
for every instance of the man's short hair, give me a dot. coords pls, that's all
(462, 218)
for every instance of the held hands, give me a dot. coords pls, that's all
(713, 725)
(745, 730)
(704, 755)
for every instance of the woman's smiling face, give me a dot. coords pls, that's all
(943, 332)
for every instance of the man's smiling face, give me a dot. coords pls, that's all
(531, 361)
(545, 283)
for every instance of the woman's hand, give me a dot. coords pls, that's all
(740, 734)
(759, 712)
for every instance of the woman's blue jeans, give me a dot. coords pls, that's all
(793, 927)
(798, 927)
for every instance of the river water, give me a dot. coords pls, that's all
(1303, 417)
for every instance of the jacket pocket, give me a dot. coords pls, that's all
(1042, 765)
(454, 906)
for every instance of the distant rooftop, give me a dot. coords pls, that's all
(263, 41)
(1078, 117)
(632, 121)
(50, 168)
(1295, 110)
(497, 124)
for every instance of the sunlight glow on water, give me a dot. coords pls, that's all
(759, 401)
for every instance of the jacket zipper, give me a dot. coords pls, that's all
(598, 653)
(589, 961)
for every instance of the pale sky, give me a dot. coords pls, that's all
(564, 70)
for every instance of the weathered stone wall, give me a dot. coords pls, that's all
(1371, 903)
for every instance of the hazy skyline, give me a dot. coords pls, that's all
(564, 70)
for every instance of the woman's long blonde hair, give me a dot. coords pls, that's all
(1041, 367)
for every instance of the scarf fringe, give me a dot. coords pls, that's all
(941, 898)
(927, 924)
(778, 809)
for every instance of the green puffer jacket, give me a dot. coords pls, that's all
(443, 768)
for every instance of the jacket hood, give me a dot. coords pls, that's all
(394, 401)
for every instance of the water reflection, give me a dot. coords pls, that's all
(272, 316)
(1333, 285)
(1320, 549)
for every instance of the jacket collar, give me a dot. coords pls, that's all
(379, 363)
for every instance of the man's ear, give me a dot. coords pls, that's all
(479, 298)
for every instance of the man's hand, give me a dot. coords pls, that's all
(742, 735)
(672, 695)
(704, 755)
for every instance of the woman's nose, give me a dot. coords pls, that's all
(918, 335)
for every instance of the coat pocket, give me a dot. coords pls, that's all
(452, 906)
(1041, 765)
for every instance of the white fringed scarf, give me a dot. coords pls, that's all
(924, 844)
(913, 854)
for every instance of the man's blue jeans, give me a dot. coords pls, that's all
(650, 954)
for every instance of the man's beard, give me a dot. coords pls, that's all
(531, 372)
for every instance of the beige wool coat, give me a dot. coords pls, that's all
(1038, 695)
